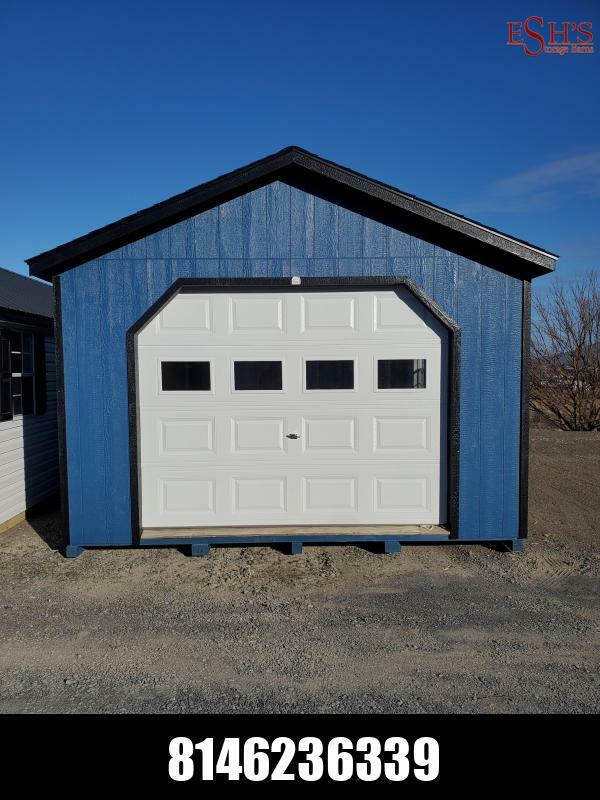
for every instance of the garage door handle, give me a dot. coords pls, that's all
(292, 436)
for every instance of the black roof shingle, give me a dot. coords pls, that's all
(19, 293)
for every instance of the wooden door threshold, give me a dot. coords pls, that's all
(304, 532)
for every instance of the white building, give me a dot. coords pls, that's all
(28, 432)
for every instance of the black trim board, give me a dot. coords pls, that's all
(524, 430)
(12, 316)
(194, 285)
(295, 165)
(60, 411)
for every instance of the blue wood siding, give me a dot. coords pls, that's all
(282, 231)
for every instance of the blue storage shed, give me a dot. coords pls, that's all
(293, 353)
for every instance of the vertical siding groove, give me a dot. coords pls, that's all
(76, 514)
(492, 398)
(78, 394)
(105, 340)
(512, 400)
(219, 253)
(117, 462)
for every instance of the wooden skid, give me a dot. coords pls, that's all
(199, 549)
(200, 543)
(293, 537)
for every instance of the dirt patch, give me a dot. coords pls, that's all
(457, 628)
(565, 485)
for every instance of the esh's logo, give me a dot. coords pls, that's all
(536, 36)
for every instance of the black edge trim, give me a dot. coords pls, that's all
(159, 216)
(291, 160)
(423, 208)
(453, 399)
(60, 411)
(524, 433)
(193, 285)
(25, 318)
(133, 419)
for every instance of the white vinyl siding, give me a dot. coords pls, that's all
(29, 451)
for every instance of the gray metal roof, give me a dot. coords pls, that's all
(19, 293)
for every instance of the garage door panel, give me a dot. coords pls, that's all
(150, 377)
(398, 435)
(260, 315)
(409, 493)
(192, 435)
(258, 435)
(322, 314)
(324, 435)
(428, 357)
(389, 315)
(186, 494)
(330, 494)
(261, 496)
(172, 438)
(209, 320)
(187, 314)
(197, 498)
(404, 494)
(177, 436)
(221, 364)
(202, 318)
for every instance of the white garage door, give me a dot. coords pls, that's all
(288, 408)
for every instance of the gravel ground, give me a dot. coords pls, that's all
(458, 628)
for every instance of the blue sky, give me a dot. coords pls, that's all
(108, 107)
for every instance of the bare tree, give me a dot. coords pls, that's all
(565, 355)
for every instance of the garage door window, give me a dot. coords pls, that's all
(401, 373)
(185, 376)
(329, 375)
(257, 376)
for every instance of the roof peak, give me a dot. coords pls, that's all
(295, 161)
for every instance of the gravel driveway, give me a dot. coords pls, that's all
(458, 628)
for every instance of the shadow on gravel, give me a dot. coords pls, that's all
(46, 521)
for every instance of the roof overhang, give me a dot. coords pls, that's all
(306, 170)
(12, 316)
